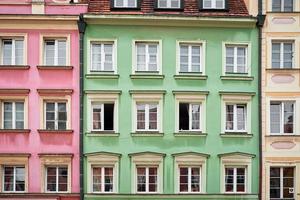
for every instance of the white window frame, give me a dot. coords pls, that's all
(213, 5)
(55, 50)
(101, 106)
(235, 178)
(282, 6)
(13, 113)
(57, 177)
(125, 4)
(282, 53)
(56, 102)
(102, 178)
(190, 178)
(235, 120)
(13, 57)
(169, 5)
(191, 116)
(147, 178)
(147, 120)
(14, 184)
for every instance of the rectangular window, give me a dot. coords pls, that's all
(147, 57)
(147, 116)
(190, 58)
(13, 115)
(190, 179)
(14, 178)
(236, 117)
(282, 183)
(172, 4)
(57, 179)
(282, 55)
(147, 179)
(103, 116)
(235, 179)
(236, 59)
(213, 4)
(102, 56)
(55, 52)
(56, 115)
(283, 5)
(189, 116)
(12, 52)
(282, 117)
(102, 179)
(125, 3)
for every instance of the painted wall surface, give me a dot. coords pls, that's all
(213, 144)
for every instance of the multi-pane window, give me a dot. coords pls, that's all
(55, 52)
(190, 57)
(102, 56)
(56, 115)
(282, 117)
(103, 179)
(189, 116)
(147, 57)
(12, 52)
(147, 116)
(282, 54)
(235, 179)
(282, 5)
(213, 4)
(174, 4)
(189, 179)
(13, 115)
(57, 179)
(282, 183)
(236, 117)
(147, 179)
(13, 179)
(103, 116)
(236, 59)
(125, 3)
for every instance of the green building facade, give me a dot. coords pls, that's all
(170, 106)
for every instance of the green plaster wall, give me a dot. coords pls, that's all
(213, 144)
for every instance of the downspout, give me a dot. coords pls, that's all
(260, 24)
(81, 28)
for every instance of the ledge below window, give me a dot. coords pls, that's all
(15, 131)
(190, 77)
(283, 136)
(102, 134)
(147, 134)
(147, 76)
(55, 131)
(236, 135)
(190, 134)
(282, 70)
(54, 67)
(14, 67)
(102, 76)
(237, 78)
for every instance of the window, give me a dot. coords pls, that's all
(55, 52)
(147, 179)
(13, 115)
(102, 56)
(56, 115)
(190, 179)
(103, 116)
(236, 117)
(282, 117)
(213, 4)
(57, 179)
(173, 4)
(14, 179)
(236, 59)
(147, 57)
(283, 5)
(190, 57)
(125, 3)
(282, 54)
(147, 116)
(12, 51)
(235, 179)
(102, 179)
(282, 183)
(189, 116)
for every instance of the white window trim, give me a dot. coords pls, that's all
(14, 183)
(234, 167)
(125, 4)
(57, 177)
(236, 99)
(202, 44)
(13, 113)
(235, 120)
(282, 53)
(13, 56)
(103, 160)
(169, 5)
(248, 56)
(147, 178)
(214, 5)
(55, 114)
(55, 50)
(103, 98)
(270, 6)
(159, 56)
(114, 42)
(147, 120)
(147, 98)
(188, 98)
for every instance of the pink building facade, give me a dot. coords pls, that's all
(39, 99)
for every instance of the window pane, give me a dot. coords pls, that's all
(241, 117)
(240, 180)
(49, 52)
(7, 52)
(8, 179)
(62, 179)
(141, 123)
(19, 52)
(229, 117)
(175, 3)
(287, 55)
(219, 4)
(183, 116)
(288, 117)
(62, 52)
(96, 57)
(241, 60)
(275, 117)
(195, 58)
(275, 55)
(109, 116)
(152, 117)
(97, 117)
(229, 59)
(62, 116)
(20, 179)
(119, 3)
(108, 51)
(276, 5)
(162, 3)
(207, 3)
(8, 115)
(195, 116)
(141, 179)
(141, 57)
(51, 179)
(108, 179)
(288, 5)
(152, 179)
(229, 179)
(152, 50)
(97, 179)
(132, 3)
(184, 58)
(195, 179)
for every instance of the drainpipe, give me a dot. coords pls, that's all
(81, 28)
(260, 23)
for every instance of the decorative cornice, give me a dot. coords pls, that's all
(147, 91)
(55, 91)
(191, 153)
(103, 152)
(71, 155)
(14, 91)
(190, 92)
(237, 93)
(237, 153)
(146, 152)
(15, 155)
(103, 92)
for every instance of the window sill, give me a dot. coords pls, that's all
(147, 76)
(280, 70)
(237, 77)
(168, 9)
(236, 135)
(102, 76)
(190, 134)
(147, 134)
(54, 67)
(55, 131)
(14, 67)
(103, 134)
(190, 77)
(282, 136)
(15, 131)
